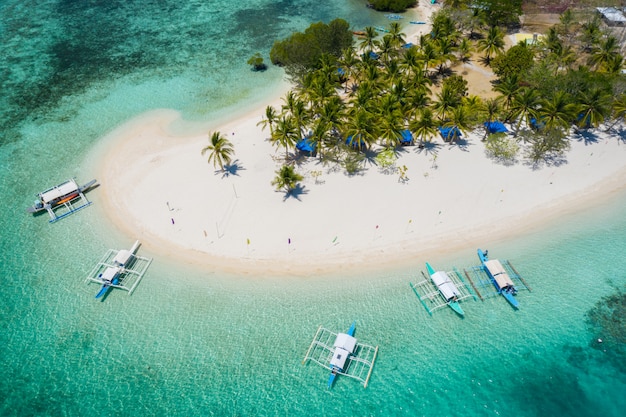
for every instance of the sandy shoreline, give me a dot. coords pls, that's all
(157, 187)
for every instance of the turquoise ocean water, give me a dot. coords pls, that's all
(199, 342)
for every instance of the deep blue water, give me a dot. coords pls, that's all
(200, 342)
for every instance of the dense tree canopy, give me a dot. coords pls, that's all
(392, 5)
(302, 51)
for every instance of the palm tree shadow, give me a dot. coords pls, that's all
(587, 136)
(621, 134)
(296, 192)
(428, 148)
(231, 169)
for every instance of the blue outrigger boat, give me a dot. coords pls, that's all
(499, 278)
(344, 345)
(446, 287)
(112, 274)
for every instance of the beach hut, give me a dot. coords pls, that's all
(449, 133)
(495, 127)
(406, 138)
(306, 145)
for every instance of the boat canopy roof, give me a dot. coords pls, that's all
(122, 257)
(59, 191)
(345, 341)
(110, 273)
(445, 285)
(340, 356)
(499, 273)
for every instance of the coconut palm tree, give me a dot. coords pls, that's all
(285, 133)
(368, 41)
(396, 34)
(220, 150)
(508, 88)
(447, 100)
(360, 127)
(424, 127)
(491, 109)
(461, 119)
(557, 112)
(602, 54)
(492, 44)
(594, 107)
(270, 118)
(286, 179)
(524, 106)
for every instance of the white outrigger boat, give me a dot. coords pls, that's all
(67, 194)
(446, 287)
(499, 278)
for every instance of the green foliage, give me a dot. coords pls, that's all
(286, 179)
(501, 12)
(256, 61)
(392, 5)
(386, 160)
(457, 84)
(353, 162)
(302, 51)
(516, 61)
(547, 143)
(502, 147)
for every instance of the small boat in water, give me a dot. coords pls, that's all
(58, 195)
(446, 287)
(344, 345)
(418, 22)
(499, 278)
(112, 274)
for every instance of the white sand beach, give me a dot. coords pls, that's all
(157, 187)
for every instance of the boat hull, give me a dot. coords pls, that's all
(508, 295)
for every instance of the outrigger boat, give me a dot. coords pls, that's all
(111, 275)
(499, 278)
(61, 195)
(446, 287)
(344, 345)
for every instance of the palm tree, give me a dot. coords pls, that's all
(220, 150)
(396, 35)
(491, 109)
(557, 112)
(367, 44)
(461, 119)
(492, 44)
(524, 106)
(286, 179)
(424, 127)
(594, 107)
(285, 133)
(270, 118)
(508, 87)
(605, 51)
(447, 100)
(360, 126)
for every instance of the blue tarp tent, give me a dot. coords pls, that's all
(495, 127)
(355, 143)
(407, 137)
(450, 133)
(306, 145)
(536, 124)
(407, 45)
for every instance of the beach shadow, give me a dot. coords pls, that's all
(296, 192)
(586, 136)
(231, 169)
(428, 148)
(620, 133)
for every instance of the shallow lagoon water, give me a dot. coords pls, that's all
(200, 342)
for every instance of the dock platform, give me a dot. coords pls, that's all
(430, 296)
(359, 365)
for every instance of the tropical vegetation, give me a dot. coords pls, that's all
(353, 102)
(220, 150)
(391, 5)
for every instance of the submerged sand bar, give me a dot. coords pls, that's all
(158, 188)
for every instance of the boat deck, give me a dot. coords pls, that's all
(430, 296)
(482, 284)
(359, 365)
(132, 272)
